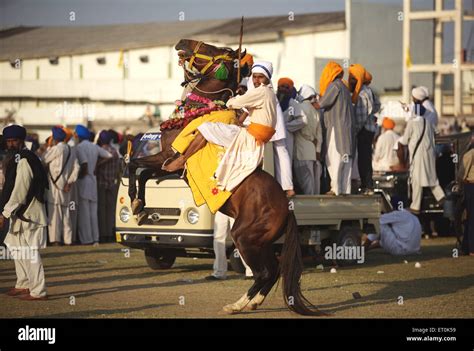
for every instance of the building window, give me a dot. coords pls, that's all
(144, 59)
(37, 72)
(54, 60)
(101, 60)
(81, 71)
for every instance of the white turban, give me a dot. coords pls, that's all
(420, 93)
(264, 67)
(427, 92)
(306, 92)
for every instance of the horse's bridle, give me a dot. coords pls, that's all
(211, 59)
(196, 77)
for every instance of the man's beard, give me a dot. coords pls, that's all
(9, 156)
(281, 96)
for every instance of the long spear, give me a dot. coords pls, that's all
(240, 47)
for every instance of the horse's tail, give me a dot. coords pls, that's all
(291, 268)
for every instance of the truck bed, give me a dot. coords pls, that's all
(332, 211)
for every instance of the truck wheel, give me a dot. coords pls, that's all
(158, 259)
(349, 236)
(236, 262)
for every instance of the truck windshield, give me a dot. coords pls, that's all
(150, 144)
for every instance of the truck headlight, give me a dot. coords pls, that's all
(192, 216)
(124, 214)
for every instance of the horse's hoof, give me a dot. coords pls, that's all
(137, 206)
(142, 217)
(230, 309)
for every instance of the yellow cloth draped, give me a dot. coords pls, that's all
(202, 165)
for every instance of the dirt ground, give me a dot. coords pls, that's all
(101, 282)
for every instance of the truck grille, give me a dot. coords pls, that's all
(163, 211)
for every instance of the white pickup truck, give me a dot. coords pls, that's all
(176, 227)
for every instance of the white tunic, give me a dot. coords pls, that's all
(35, 213)
(89, 153)
(385, 156)
(423, 165)
(55, 159)
(309, 138)
(430, 115)
(244, 154)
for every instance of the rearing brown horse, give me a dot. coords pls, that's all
(259, 205)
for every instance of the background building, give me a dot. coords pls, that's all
(127, 76)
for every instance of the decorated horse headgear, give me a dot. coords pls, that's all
(220, 72)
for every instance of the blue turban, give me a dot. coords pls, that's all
(59, 134)
(105, 137)
(14, 132)
(82, 132)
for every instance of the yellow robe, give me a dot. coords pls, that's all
(202, 165)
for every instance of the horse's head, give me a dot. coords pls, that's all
(213, 68)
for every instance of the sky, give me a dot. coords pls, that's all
(103, 12)
(96, 12)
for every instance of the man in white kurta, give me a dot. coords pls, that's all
(308, 142)
(244, 152)
(423, 163)
(282, 140)
(63, 170)
(385, 157)
(87, 155)
(27, 235)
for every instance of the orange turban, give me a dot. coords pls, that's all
(247, 59)
(367, 78)
(329, 73)
(358, 72)
(287, 81)
(388, 123)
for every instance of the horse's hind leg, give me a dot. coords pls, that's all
(254, 261)
(270, 278)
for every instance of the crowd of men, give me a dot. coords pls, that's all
(333, 132)
(83, 172)
(334, 136)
